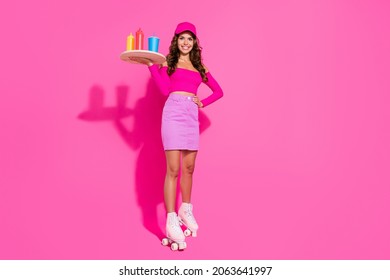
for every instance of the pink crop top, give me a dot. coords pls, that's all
(184, 80)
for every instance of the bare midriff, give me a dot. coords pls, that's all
(185, 93)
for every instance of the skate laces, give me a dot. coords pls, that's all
(189, 215)
(173, 223)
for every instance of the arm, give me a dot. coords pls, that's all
(217, 91)
(160, 76)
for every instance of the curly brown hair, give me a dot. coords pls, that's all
(195, 57)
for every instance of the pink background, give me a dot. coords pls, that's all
(294, 160)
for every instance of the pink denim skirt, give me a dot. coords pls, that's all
(180, 125)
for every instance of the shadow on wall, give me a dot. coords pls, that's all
(145, 136)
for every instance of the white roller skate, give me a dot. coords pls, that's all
(175, 235)
(187, 218)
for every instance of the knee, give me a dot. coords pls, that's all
(173, 172)
(188, 169)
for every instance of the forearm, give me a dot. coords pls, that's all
(217, 91)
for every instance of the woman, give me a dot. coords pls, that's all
(179, 77)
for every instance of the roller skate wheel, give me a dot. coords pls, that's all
(187, 232)
(165, 241)
(174, 247)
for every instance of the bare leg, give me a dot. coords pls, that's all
(173, 166)
(188, 166)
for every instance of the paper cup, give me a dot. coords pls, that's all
(153, 43)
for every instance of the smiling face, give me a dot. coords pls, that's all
(185, 42)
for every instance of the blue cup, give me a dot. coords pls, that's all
(153, 43)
